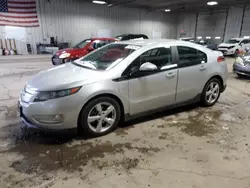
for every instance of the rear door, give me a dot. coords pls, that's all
(193, 73)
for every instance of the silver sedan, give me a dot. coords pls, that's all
(242, 65)
(121, 81)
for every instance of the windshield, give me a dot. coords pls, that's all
(233, 41)
(82, 44)
(107, 56)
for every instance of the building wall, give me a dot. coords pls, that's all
(74, 20)
(234, 22)
(245, 29)
(223, 23)
(186, 24)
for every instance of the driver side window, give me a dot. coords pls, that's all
(159, 56)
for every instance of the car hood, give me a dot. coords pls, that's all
(64, 51)
(63, 77)
(227, 45)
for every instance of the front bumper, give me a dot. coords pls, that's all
(62, 106)
(226, 51)
(240, 69)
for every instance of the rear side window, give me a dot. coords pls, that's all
(190, 56)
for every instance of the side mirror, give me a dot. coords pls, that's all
(148, 67)
(242, 44)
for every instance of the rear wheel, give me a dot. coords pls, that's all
(211, 92)
(100, 116)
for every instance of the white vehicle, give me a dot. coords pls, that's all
(234, 46)
(188, 39)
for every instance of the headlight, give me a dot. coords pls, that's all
(47, 95)
(64, 55)
(230, 47)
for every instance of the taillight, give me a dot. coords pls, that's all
(220, 59)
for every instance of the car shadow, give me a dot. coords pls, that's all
(161, 114)
(57, 138)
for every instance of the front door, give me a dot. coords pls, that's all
(152, 90)
(193, 73)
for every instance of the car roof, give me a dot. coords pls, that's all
(131, 34)
(187, 38)
(103, 39)
(155, 42)
(237, 38)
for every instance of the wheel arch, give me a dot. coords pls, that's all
(104, 95)
(219, 78)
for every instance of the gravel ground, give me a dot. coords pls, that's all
(189, 147)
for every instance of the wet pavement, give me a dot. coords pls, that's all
(191, 147)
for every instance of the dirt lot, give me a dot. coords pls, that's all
(190, 147)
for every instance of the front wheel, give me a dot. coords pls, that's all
(211, 92)
(100, 116)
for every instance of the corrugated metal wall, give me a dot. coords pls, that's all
(234, 22)
(224, 23)
(211, 24)
(246, 22)
(186, 25)
(74, 20)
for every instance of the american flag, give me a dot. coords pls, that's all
(20, 13)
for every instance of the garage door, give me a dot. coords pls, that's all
(246, 23)
(211, 24)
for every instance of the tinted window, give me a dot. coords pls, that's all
(99, 43)
(190, 56)
(202, 56)
(246, 41)
(159, 56)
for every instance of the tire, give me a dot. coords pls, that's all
(93, 115)
(215, 96)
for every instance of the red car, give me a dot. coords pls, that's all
(80, 50)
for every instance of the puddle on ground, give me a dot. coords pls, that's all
(201, 124)
(42, 158)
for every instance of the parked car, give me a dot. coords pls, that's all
(207, 43)
(234, 46)
(121, 81)
(188, 39)
(79, 50)
(131, 37)
(241, 66)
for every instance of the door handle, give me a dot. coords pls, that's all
(171, 74)
(203, 67)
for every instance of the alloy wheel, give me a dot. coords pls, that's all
(212, 92)
(101, 117)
